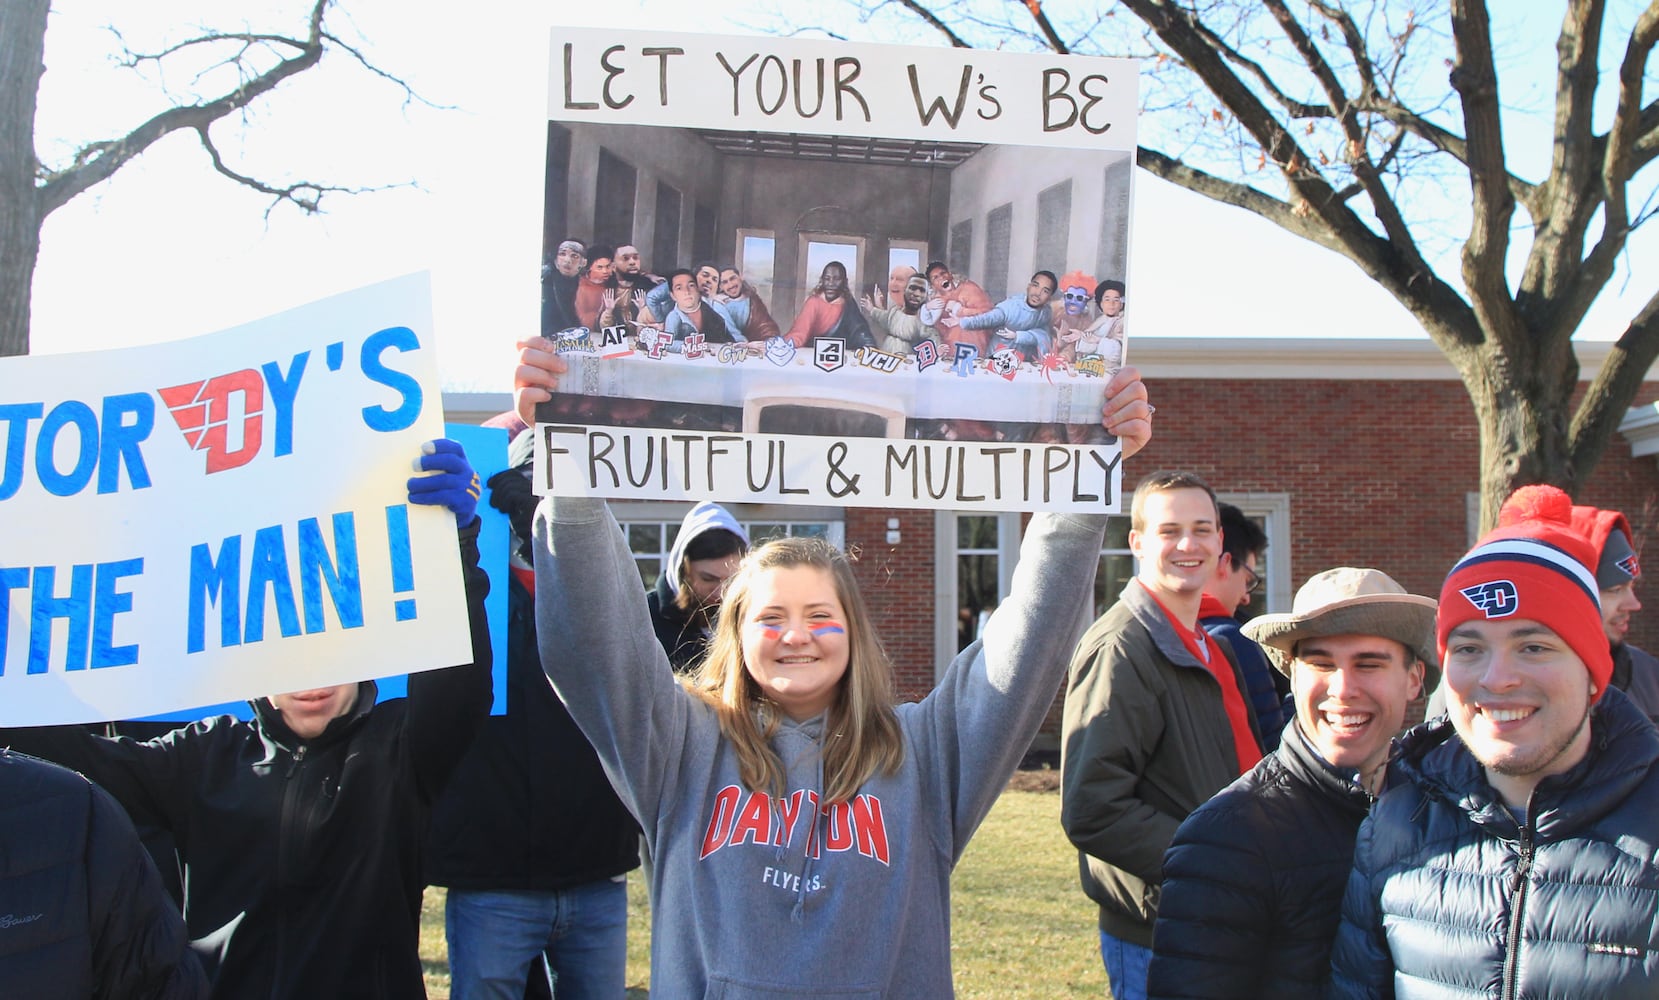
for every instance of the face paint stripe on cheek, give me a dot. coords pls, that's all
(827, 628)
(767, 630)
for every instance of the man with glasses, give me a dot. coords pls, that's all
(1237, 576)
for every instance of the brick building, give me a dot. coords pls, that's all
(1348, 452)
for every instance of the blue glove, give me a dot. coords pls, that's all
(449, 480)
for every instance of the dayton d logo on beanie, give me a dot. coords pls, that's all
(1534, 566)
(1497, 599)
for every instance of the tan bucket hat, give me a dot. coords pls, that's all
(1351, 601)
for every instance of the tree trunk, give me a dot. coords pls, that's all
(1523, 411)
(22, 51)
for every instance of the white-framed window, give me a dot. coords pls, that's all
(973, 558)
(757, 254)
(906, 253)
(975, 554)
(1272, 512)
(818, 249)
(652, 526)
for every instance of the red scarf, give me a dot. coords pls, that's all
(1205, 651)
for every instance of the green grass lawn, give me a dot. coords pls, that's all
(1021, 927)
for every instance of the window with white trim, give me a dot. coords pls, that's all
(651, 528)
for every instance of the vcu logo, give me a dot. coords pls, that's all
(1497, 599)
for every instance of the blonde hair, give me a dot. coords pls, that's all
(861, 730)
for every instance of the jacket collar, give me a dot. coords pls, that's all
(1624, 747)
(274, 732)
(1337, 783)
(1151, 617)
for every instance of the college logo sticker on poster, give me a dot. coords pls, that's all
(810, 272)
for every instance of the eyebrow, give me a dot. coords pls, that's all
(1303, 651)
(1524, 632)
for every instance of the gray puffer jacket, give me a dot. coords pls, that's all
(1451, 897)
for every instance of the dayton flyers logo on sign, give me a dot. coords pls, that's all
(1497, 599)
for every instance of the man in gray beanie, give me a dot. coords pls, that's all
(1635, 672)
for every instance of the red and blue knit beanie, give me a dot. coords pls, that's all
(1532, 566)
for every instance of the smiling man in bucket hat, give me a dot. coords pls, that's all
(1253, 881)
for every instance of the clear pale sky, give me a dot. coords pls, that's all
(167, 249)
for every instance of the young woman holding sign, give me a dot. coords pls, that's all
(803, 826)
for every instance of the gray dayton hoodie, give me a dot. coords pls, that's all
(755, 897)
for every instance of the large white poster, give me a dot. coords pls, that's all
(801, 271)
(224, 517)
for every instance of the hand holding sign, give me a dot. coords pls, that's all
(447, 480)
(537, 376)
(1126, 412)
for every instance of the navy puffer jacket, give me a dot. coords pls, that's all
(1451, 897)
(83, 913)
(1253, 881)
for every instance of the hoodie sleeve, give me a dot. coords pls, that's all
(976, 725)
(601, 653)
(986, 320)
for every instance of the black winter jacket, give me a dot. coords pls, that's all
(681, 638)
(1253, 881)
(1636, 673)
(303, 857)
(82, 911)
(1450, 897)
(529, 807)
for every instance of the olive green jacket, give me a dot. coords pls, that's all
(1146, 741)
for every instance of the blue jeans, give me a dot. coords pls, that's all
(494, 936)
(1126, 967)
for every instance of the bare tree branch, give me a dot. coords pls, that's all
(97, 161)
(113, 155)
(1609, 395)
(409, 95)
(1615, 170)
(1047, 28)
(1484, 253)
(1573, 185)
(1399, 234)
(1354, 40)
(932, 20)
(307, 196)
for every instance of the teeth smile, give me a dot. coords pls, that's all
(1347, 720)
(1506, 714)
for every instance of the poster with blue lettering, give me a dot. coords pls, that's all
(223, 517)
(811, 272)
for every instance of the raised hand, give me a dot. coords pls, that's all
(536, 378)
